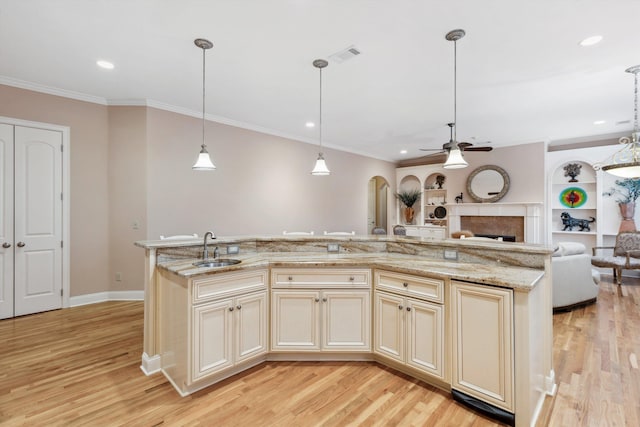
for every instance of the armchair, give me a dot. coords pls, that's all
(575, 282)
(626, 254)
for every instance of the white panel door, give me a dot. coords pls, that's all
(37, 220)
(212, 335)
(6, 221)
(346, 320)
(389, 327)
(295, 322)
(425, 337)
(251, 326)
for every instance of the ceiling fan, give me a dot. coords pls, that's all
(463, 146)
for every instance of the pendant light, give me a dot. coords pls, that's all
(204, 161)
(625, 163)
(321, 166)
(455, 159)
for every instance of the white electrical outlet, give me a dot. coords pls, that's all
(118, 277)
(135, 224)
(333, 247)
(233, 249)
(450, 254)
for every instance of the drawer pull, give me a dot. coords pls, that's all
(230, 308)
(352, 278)
(290, 278)
(324, 300)
(405, 284)
(408, 308)
(238, 307)
(317, 299)
(399, 307)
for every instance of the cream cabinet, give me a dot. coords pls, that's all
(409, 321)
(212, 326)
(321, 310)
(483, 354)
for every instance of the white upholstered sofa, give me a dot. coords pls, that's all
(575, 282)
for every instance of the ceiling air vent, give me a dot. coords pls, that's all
(345, 54)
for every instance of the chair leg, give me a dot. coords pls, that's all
(617, 274)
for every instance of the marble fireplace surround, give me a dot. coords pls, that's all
(471, 213)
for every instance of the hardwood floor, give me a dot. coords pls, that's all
(80, 366)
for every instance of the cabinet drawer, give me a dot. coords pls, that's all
(405, 284)
(228, 284)
(325, 278)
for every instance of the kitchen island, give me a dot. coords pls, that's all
(470, 316)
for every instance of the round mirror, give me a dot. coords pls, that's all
(488, 184)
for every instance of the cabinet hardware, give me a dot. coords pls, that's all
(290, 278)
(6, 245)
(405, 284)
(324, 300)
(317, 299)
(352, 278)
(230, 308)
(238, 307)
(399, 307)
(21, 244)
(408, 308)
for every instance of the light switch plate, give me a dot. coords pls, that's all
(232, 250)
(333, 247)
(451, 254)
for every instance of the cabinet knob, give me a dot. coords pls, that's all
(352, 278)
(324, 300)
(317, 299)
(405, 284)
(21, 244)
(408, 308)
(6, 245)
(399, 307)
(230, 308)
(238, 307)
(290, 278)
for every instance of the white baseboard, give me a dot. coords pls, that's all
(106, 296)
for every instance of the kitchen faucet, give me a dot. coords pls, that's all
(205, 254)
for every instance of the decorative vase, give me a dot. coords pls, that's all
(627, 210)
(408, 215)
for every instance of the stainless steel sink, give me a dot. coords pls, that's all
(216, 262)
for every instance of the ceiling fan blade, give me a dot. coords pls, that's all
(477, 149)
(432, 149)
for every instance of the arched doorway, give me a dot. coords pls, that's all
(378, 204)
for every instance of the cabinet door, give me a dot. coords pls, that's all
(482, 343)
(250, 326)
(212, 335)
(295, 320)
(346, 320)
(389, 327)
(425, 347)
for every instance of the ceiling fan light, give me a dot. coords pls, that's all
(455, 160)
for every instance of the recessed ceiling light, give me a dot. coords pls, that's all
(105, 64)
(590, 41)
(599, 122)
(310, 124)
(403, 151)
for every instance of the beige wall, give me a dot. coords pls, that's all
(133, 164)
(89, 180)
(262, 184)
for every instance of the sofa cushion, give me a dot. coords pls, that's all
(569, 248)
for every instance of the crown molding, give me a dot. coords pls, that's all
(22, 84)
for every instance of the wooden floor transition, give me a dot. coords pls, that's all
(80, 367)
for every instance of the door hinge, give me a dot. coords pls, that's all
(61, 243)
(61, 148)
(61, 292)
(61, 198)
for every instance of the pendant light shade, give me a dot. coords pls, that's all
(204, 162)
(455, 159)
(320, 168)
(625, 163)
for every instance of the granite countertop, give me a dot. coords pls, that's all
(517, 278)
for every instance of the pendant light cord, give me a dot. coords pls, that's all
(320, 121)
(203, 93)
(635, 102)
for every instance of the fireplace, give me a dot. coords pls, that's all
(522, 220)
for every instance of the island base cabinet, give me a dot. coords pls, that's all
(483, 356)
(314, 320)
(410, 331)
(228, 332)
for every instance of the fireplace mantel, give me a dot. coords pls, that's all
(531, 211)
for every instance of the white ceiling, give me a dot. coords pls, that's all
(522, 77)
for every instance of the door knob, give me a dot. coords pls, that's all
(21, 244)
(6, 245)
